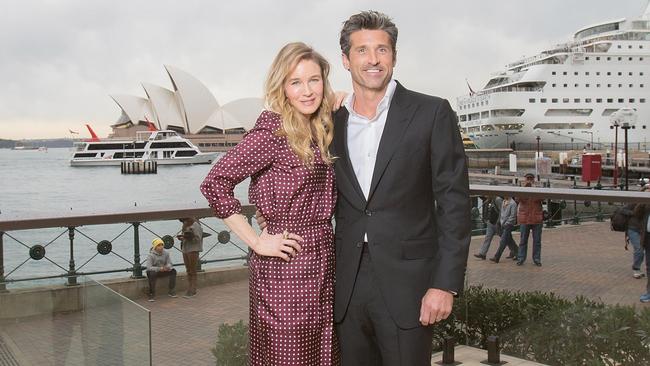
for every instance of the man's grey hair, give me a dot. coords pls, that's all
(369, 20)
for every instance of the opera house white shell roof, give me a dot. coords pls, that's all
(189, 108)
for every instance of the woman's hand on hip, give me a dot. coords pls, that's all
(285, 245)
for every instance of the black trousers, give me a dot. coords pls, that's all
(368, 335)
(153, 276)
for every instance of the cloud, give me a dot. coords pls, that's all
(63, 58)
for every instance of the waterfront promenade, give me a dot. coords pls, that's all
(586, 259)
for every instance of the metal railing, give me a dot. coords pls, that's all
(562, 198)
(72, 226)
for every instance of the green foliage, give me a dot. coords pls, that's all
(531, 325)
(550, 330)
(231, 348)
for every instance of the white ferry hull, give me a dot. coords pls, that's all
(205, 158)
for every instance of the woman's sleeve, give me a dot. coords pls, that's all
(253, 154)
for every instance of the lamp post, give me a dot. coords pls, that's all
(591, 135)
(614, 121)
(626, 118)
(537, 137)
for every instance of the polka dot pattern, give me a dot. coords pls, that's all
(291, 314)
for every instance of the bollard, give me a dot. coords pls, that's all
(494, 356)
(3, 287)
(137, 268)
(72, 278)
(448, 351)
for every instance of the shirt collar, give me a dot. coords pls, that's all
(384, 103)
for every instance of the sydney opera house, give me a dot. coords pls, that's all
(190, 109)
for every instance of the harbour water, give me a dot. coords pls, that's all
(42, 184)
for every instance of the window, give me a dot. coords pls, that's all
(629, 59)
(630, 73)
(542, 100)
(619, 46)
(630, 46)
(621, 100)
(554, 100)
(597, 85)
(587, 73)
(531, 100)
(631, 85)
(553, 85)
(609, 58)
(587, 58)
(620, 58)
(599, 100)
(640, 85)
(587, 100)
(565, 100)
(620, 85)
(620, 73)
(587, 85)
(575, 73)
(608, 73)
(576, 85)
(597, 73)
(565, 85)
(598, 58)
(641, 73)
(640, 58)
(610, 100)
(553, 73)
(642, 100)
(609, 85)
(564, 73)
(631, 100)
(576, 100)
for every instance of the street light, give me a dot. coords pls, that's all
(591, 138)
(614, 121)
(537, 133)
(626, 118)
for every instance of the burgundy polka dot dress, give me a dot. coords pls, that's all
(291, 316)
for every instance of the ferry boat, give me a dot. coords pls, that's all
(165, 147)
(567, 94)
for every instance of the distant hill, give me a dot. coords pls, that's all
(7, 144)
(50, 143)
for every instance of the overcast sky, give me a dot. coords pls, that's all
(61, 59)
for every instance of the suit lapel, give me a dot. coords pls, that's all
(397, 121)
(341, 147)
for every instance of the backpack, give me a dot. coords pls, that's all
(618, 221)
(493, 214)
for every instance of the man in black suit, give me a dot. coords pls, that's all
(403, 211)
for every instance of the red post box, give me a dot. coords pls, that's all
(591, 167)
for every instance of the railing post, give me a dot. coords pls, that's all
(137, 268)
(3, 287)
(72, 278)
(599, 216)
(576, 218)
(494, 353)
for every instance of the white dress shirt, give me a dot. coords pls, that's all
(364, 135)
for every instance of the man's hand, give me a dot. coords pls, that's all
(339, 98)
(261, 221)
(436, 306)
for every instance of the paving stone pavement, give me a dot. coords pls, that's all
(587, 260)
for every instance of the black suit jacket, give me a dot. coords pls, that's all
(417, 215)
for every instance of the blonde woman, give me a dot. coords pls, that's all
(292, 184)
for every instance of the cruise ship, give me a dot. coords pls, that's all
(165, 147)
(567, 94)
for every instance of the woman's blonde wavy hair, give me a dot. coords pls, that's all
(319, 129)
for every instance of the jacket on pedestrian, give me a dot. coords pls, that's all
(490, 208)
(508, 213)
(530, 211)
(193, 238)
(155, 261)
(642, 211)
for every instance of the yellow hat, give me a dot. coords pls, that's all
(156, 242)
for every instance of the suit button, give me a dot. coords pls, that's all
(368, 213)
